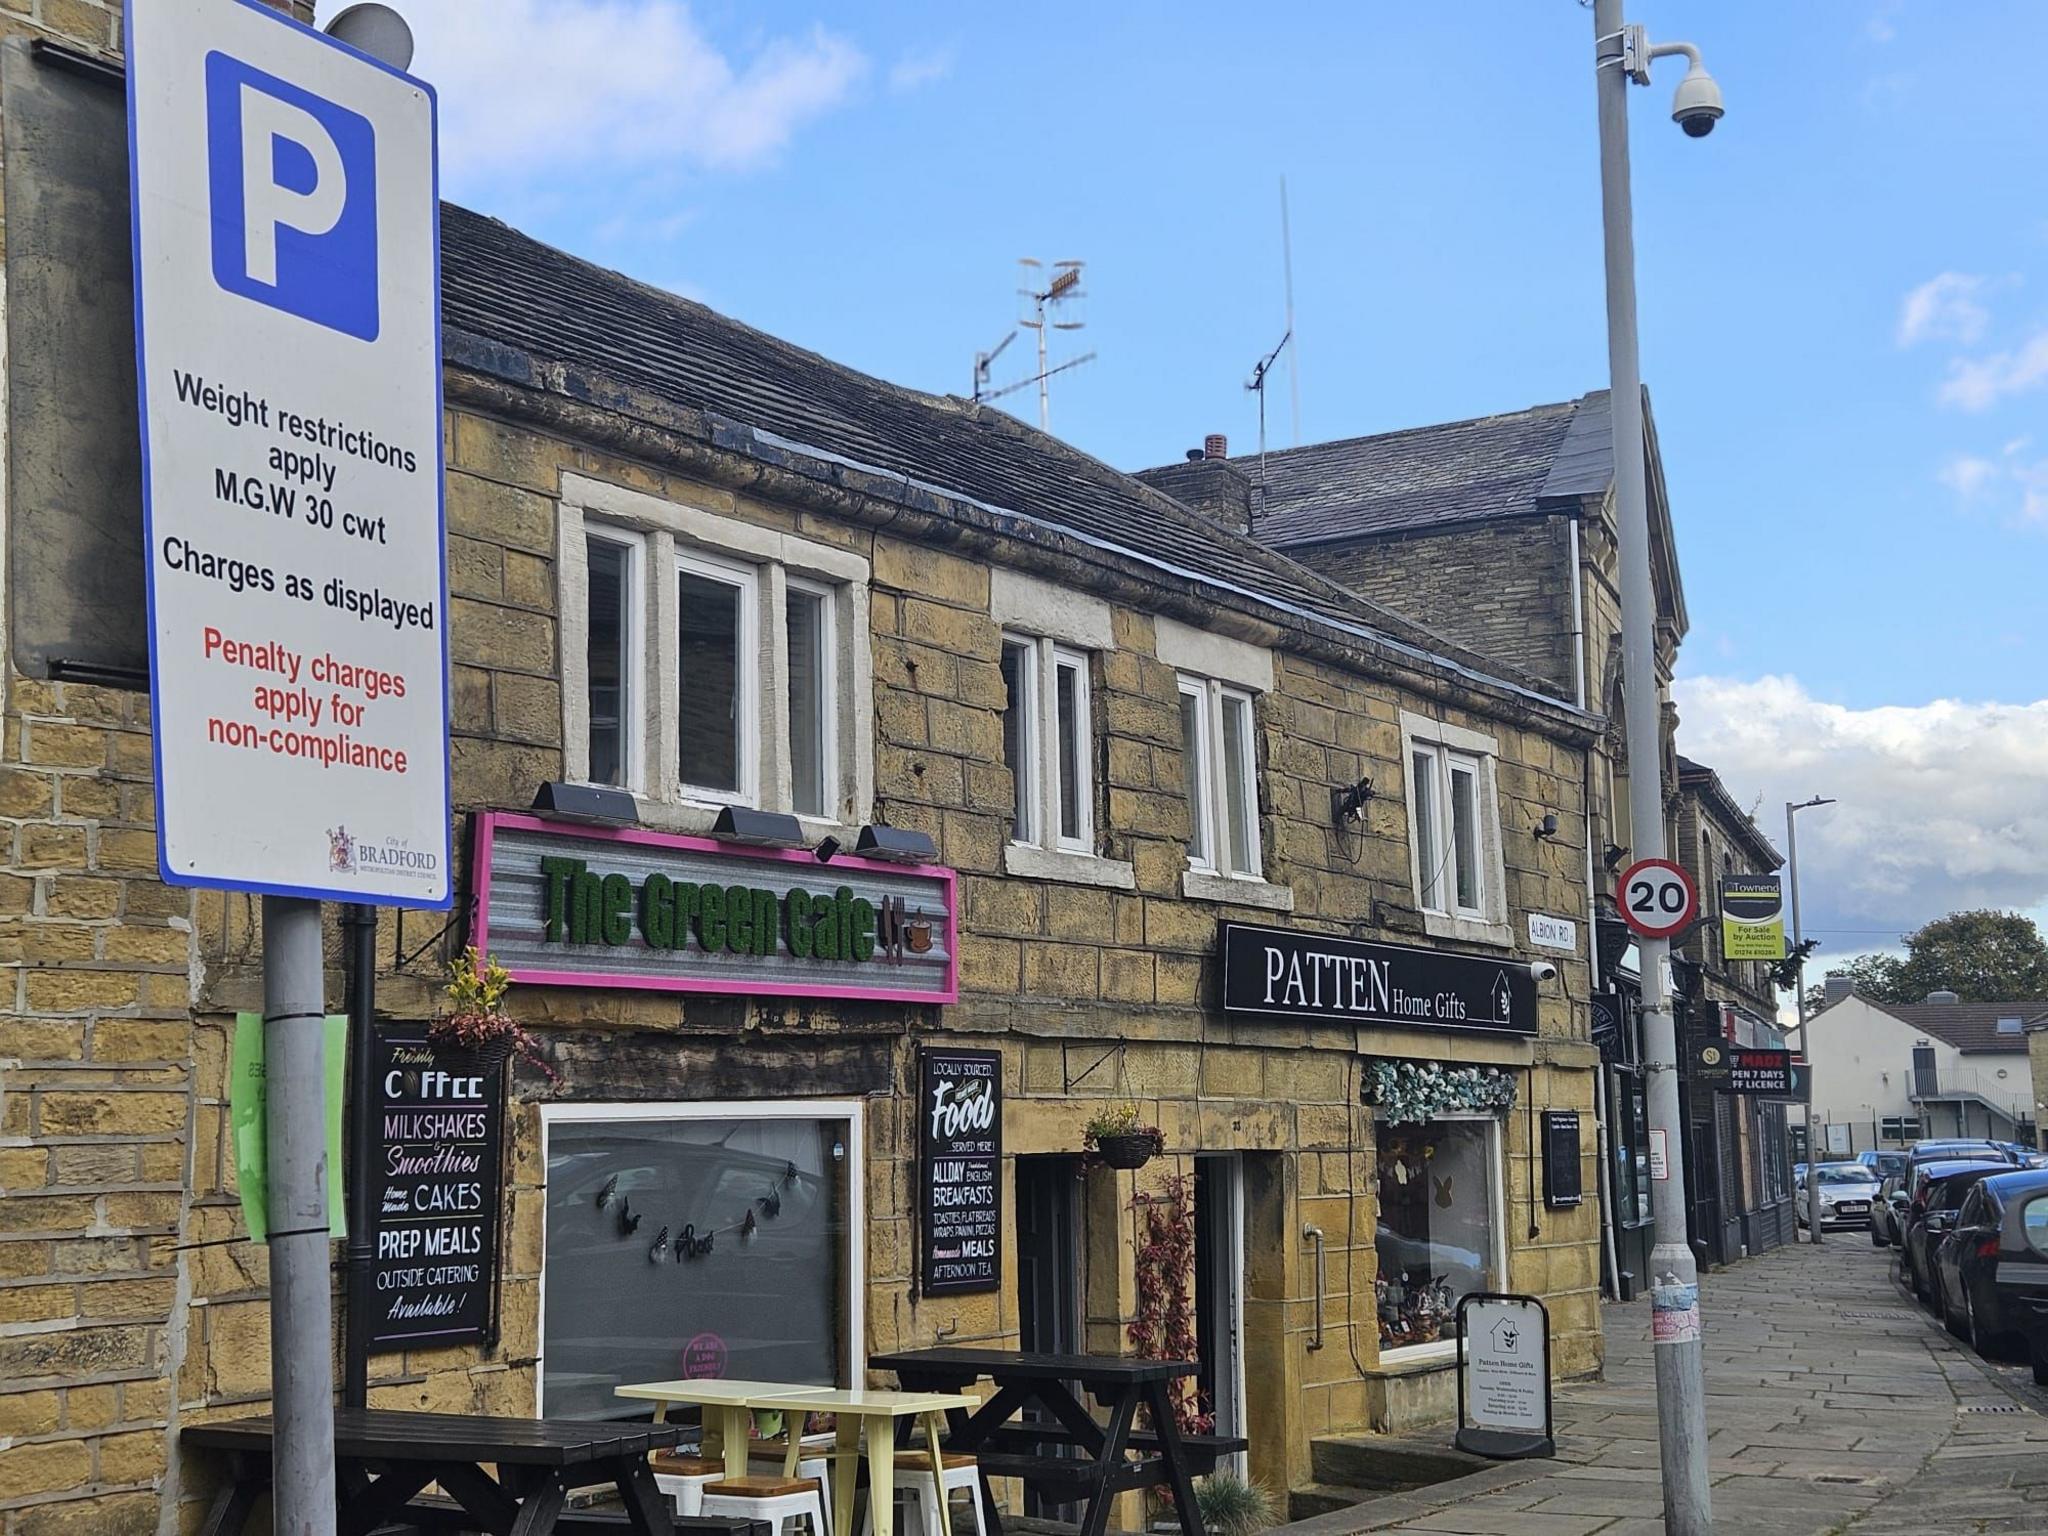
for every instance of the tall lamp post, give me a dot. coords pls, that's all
(1623, 53)
(1813, 1148)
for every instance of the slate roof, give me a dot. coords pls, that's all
(1698, 776)
(1512, 465)
(528, 301)
(1969, 1027)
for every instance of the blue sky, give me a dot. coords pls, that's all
(1844, 294)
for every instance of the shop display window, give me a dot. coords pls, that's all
(703, 1241)
(1439, 1233)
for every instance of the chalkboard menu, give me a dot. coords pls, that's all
(959, 1166)
(440, 1134)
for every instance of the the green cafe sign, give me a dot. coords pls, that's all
(570, 906)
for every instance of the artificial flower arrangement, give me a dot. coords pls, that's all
(1411, 1092)
(476, 1023)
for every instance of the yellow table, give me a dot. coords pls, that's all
(853, 1406)
(726, 1405)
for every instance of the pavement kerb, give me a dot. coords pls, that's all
(1377, 1514)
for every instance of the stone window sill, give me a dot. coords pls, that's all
(1469, 930)
(1236, 890)
(1034, 863)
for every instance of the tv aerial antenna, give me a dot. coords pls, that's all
(1262, 371)
(1049, 305)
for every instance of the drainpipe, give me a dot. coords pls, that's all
(359, 929)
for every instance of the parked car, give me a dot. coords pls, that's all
(1942, 1188)
(1881, 1164)
(1894, 1195)
(1846, 1190)
(1960, 1146)
(1991, 1270)
(2031, 1312)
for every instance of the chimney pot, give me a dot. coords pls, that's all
(1195, 455)
(1215, 446)
(1943, 996)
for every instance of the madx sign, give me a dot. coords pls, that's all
(1747, 1069)
(1280, 974)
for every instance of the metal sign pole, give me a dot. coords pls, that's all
(301, 1299)
(1681, 1402)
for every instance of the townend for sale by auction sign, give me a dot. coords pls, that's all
(287, 316)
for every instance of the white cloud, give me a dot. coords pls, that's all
(1967, 475)
(1941, 806)
(1943, 308)
(916, 70)
(533, 89)
(1977, 383)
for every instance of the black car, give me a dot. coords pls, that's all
(1894, 1195)
(1991, 1270)
(1941, 1189)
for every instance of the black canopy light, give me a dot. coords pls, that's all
(766, 829)
(897, 845)
(587, 803)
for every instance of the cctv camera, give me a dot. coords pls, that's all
(1696, 106)
(1543, 970)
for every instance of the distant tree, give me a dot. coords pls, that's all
(1983, 956)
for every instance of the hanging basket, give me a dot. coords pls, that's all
(484, 1058)
(1130, 1151)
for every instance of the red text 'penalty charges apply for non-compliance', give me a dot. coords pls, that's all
(313, 694)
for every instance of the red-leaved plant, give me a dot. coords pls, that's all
(1164, 1328)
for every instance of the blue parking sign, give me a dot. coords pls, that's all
(292, 181)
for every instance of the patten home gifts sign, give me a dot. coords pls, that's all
(287, 306)
(576, 906)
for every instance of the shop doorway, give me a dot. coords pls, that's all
(1048, 1275)
(1219, 1290)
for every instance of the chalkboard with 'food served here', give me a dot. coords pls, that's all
(439, 1157)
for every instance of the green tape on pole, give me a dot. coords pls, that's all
(246, 1102)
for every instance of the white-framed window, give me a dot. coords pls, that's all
(617, 1304)
(1220, 754)
(615, 560)
(1460, 878)
(717, 679)
(1048, 744)
(707, 661)
(1441, 1229)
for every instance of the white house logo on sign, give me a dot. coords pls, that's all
(287, 273)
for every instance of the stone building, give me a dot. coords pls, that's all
(721, 574)
(1500, 532)
(1738, 1172)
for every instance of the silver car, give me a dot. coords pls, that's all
(1847, 1191)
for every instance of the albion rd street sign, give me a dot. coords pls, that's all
(287, 312)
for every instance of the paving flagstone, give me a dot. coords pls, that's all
(1834, 1404)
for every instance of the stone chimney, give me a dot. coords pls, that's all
(1837, 987)
(1207, 482)
(1943, 997)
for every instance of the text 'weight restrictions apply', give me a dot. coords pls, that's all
(288, 348)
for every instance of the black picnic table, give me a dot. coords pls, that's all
(1086, 1461)
(385, 1457)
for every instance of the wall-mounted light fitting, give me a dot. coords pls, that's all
(1349, 804)
(897, 845)
(1547, 827)
(765, 829)
(827, 850)
(1613, 855)
(586, 803)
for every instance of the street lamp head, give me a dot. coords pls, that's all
(1696, 106)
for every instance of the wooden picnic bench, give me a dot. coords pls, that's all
(385, 1458)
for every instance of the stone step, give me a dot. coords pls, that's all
(1324, 1499)
(1389, 1463)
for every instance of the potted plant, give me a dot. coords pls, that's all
(1116, 1137)
(476, 1029)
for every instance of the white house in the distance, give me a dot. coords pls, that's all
(1885, 1074)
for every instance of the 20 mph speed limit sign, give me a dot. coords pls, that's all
(1657, 898)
